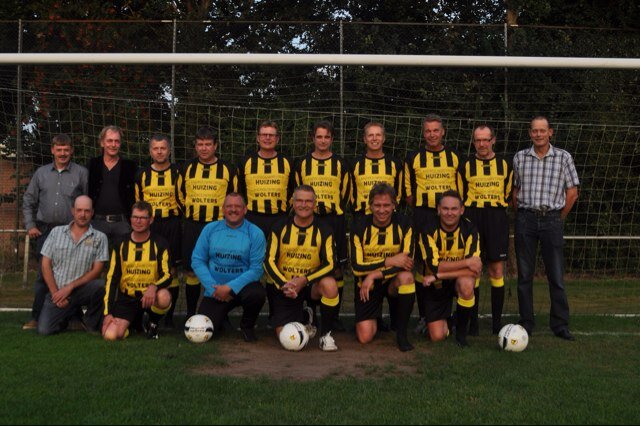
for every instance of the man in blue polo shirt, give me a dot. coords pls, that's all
(228, 261)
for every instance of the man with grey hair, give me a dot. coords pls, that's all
(545, 188)
(72, 260)
(111, 185)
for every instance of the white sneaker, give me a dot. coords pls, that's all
(311, 331)
(327, 343)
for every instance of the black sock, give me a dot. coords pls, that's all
(154, 317)
(175, 292)
(193, 295)
(393, 310)
(473, 320)
(497, 302)
(404, 304)
(329, 314)
(462, 322)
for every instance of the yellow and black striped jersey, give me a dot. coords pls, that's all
(134, 267)
(428, 174)
(371, 245)
(487, 183)
(267, 183)
(159, 188)
(294, 251)
(366, 172)
(438, 245)
(330, 180)
(203, 187)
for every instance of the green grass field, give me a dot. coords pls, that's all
(76, 378)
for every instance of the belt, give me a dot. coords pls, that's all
(110, 217)
(541, 212)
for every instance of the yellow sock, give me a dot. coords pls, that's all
(497, 282)
(330, 302)
(407, 288)
(467, 303)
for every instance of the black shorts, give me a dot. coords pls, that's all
(438, 299)
(284, 309)
(337, 224)
(127, 307)
(171, 229)
(265, 222)
(493, 226)
(373, 308)
(190, 233)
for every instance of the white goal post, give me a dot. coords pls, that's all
(317, 59)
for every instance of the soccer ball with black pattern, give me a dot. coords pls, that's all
(513, 338)
(198, 328)
(294, 336)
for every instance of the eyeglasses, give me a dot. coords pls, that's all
(268, 135)
(140, 218)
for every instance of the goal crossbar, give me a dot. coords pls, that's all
(317, 59)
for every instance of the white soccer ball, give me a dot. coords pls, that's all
(513, 338)
(198, 328)
(294, 336)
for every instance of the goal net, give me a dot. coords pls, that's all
(594, 113)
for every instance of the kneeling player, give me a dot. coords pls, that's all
(300, 266)
(138, 278)
(451, 253)
(228, 261)
(382, 259)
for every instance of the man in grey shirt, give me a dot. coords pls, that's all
(73, 257)
(545, 188)
(47, 203)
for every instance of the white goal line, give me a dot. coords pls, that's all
(316, 59)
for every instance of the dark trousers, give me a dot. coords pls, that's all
(40, 289)
(251, 298)
(54, 319)
(547, 230)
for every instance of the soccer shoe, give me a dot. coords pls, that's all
(152, 331)
(403, 343)
(249, 335)
(30, 325)
(421, 328)
(327, 343)
(311, 331)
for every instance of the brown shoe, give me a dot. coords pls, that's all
(30, 325)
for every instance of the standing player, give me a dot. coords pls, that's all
(487, 183)
(429, 172)
(266, 179)
(374, 167)
(450, 250)
(299, 263)
(328, 175)
(202, 187)
(545, 188)
(382, 259)
(157, 185)
(138, 278)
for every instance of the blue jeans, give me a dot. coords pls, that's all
(54, 319)
(530, 230)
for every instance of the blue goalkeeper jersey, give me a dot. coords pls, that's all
(231, 256)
